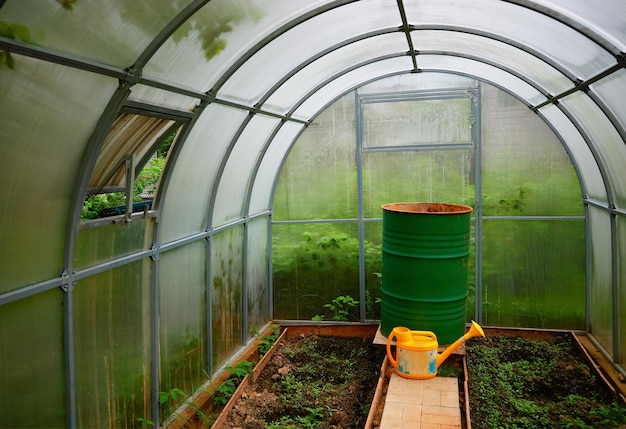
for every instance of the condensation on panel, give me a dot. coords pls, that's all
(40, 155)
(227, 293)
(417, 122)
(258, 275)
(268, 171)
(601, 287)
(534, 273)
(441, 176)
(313, 264)
(591, 178)
(526, 169)
(235, 180)
(32, 378)
(182, 320)
(94, 246)
(112, 350)
(318, 180)
(186, 204)
(604, 138)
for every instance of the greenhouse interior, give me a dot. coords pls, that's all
(181, 174)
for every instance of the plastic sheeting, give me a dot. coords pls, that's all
(244, 79)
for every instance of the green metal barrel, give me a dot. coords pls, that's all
(425, 268)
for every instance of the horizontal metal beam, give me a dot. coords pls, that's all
(27, 291)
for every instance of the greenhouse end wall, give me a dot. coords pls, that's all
(532, 223)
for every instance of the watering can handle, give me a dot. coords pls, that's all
(428, 334)
(389, 355)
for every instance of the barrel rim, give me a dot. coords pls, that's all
(422, 207)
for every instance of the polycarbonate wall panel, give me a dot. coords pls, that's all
(312, 265)
(205, 46)
(534, 274)
(258, 275)
(606, 140)
(318, 181)
(581, 153)
(493, 51)
(235, 180)
(445, 176)
(227, 293)
(32, 379)
(186, 204)
(323, 68)
(601, 289)
(482, 71)
(350, 80)
(621, 286)
(111, 346)
(606, 17)
(417, 122)
(40, 155)
(94, 246)
(535, 31)
(418, 82)
(526, 170)
(298, 44)
(268, 169)
(120, 33)
(182, 319)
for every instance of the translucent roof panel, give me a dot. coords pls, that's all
(45, 126)
(612, 91)
(583, 158)
(605, 139)
(77, 32)
(186, 204)
(159, 97)
(206, 45)
(234, 182)
(516, 86)
(296, 46)
(606, 17)
(418, 82)
(508, 21)
(270, 166)
(495, 52)
(338, 60)
(350, 80)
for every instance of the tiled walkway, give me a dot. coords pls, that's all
(422, 404)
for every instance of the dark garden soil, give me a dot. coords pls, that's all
(532, 383)
(312, 382)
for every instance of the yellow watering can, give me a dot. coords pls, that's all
(416, 351)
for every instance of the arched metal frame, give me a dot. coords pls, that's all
(132, 75)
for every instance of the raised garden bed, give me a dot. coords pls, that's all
(324, 364)
(315, 378)
(530, 379)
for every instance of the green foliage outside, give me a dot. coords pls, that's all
(147, 180)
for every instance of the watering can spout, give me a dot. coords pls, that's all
(474, 331)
